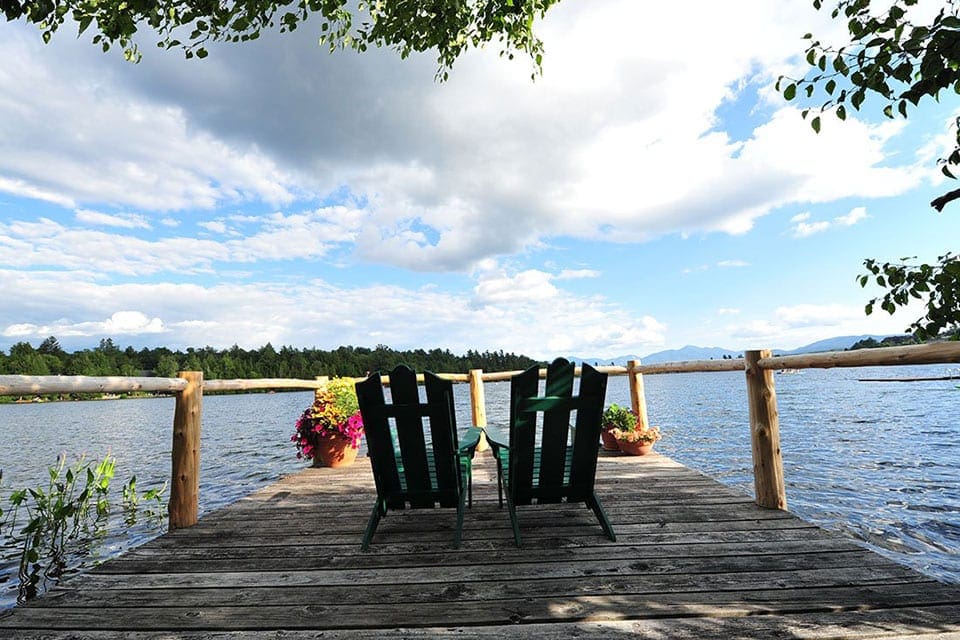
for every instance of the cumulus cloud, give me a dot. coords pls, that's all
(576, 274)
(856, 215)
(47, 243)
(96, 142)
(252, 314)
(276, 152)
(804, 227)
(216, 226)
(790, 326)
(722, 264)
(121, 323)
(122, 220)
(527, 287)
(616, 142)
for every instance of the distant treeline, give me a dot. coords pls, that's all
(899, 341)
(107, 359)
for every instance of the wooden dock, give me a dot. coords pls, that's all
(693, 559)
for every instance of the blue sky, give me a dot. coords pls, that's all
(645, 193)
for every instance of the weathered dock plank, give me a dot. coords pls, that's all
(693, 559)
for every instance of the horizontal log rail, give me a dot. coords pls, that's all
(42, 385)
(758, 366)
(934, 353)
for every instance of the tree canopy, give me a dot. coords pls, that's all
(897, 57)
(448, 26)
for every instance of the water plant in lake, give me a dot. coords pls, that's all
(64, 519)
(132, 501)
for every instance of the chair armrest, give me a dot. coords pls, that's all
(496, 446)
(471, 439)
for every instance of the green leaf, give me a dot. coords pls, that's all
(815, 124)
(790, 92)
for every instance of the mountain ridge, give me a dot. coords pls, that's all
(694, 352)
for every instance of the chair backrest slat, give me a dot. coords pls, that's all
(443, 436)
(583, 466)
(380, 447)
(523, 429)
(562, 469)
(409, 422)
(402, 469)
(556, 425)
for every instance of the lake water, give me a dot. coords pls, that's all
(874, 460)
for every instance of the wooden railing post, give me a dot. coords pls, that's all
(638, 400)
(478, 405)
(764, 433)
(185, 474)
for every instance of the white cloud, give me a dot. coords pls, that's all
(23, 188)
(791, 326)
(216, 226)
(723, 264)
(526, 287)
(802, 229)
(806, 315)
(733, 263)
(323, 315)
(132, 322)
(20, 330)
(805, 229)
(727, 311)
(93, 141)
(575, 274)
(856, 215)
(697, 269)
(122, 220)
(121, 323)
(306, 235)
(619, 141)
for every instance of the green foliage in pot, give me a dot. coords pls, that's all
(617, 417)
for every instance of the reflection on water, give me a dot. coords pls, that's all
(876, 461)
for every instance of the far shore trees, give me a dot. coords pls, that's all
(107, 359)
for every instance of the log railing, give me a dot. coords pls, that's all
(758, 366)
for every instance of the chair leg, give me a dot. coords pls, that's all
(379, 509)
(499, 483)
(458, 534)
(594, 503)
(513, 520)
(470, 485)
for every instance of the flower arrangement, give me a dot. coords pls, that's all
(617, 417)
(638, 434)
(334, 411)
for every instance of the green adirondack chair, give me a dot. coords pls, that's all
(406, 469)
(561, 464)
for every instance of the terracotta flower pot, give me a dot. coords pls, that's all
(333, 450)
(635, 448)
(609, 442)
